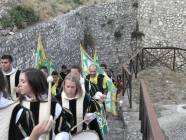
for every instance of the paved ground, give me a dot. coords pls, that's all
(116, 129)
(131, 120)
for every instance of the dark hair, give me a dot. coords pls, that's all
(103, 65)
(44, 68)
(76, 67)
(7, 56)
(54, 73)
(37, 81)
(2, 82)
(63, 66)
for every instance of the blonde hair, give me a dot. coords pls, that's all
(74, 79)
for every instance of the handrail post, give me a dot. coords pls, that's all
(127, 80)
(123, 78)
(130, 66)
(130, 91)
(136, 71)
(142, 65)
(141, 105)
(174, 59)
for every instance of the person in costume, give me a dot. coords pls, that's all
(97, 79)
(86, 85)
(44, 69)
(15, 120)
(74, 98)
(89, 87)
(56, 83)
(11, 74)
(64, 71)
(33, 87)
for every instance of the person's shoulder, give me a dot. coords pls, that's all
(20, 112)
(54, 100)
(18, 71)
(87, 81)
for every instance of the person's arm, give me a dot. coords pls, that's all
(22, 125)
(63, 119)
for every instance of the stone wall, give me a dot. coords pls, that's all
(110, 25)
(163, 22)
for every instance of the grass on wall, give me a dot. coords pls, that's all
(19, 16)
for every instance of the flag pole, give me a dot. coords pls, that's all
(49, 80)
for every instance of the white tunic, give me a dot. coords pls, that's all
(6, 108)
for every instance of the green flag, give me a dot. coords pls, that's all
(95, 56)
(102, 121)
(40, 56)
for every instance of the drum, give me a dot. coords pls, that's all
(86, 135)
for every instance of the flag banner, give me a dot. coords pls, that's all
(41, 58)
(95, 56)
(110, 101)
(102, 121)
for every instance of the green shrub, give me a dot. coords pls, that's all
(6, 22)
(19, 16)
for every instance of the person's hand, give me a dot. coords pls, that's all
(100, 97)
(89, 117)
(104, 97)
(42, 128)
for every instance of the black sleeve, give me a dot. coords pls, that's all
(58, 98)
(17, 77)
(24, 125)
(64, 121)
(93, 105)
(93, 89)
(95, 126)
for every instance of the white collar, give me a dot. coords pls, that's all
(65, 96)
(11, 72)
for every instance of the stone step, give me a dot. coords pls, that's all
(130, 116)
(116, 127)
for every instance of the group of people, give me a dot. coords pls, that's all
(26, 112)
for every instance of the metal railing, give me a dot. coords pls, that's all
(149, 124)
(171, 57)
(127, 82)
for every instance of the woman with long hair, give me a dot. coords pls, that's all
(15, 120)
(80, 104)
(33, 88)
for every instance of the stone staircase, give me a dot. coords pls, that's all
(130, 116)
